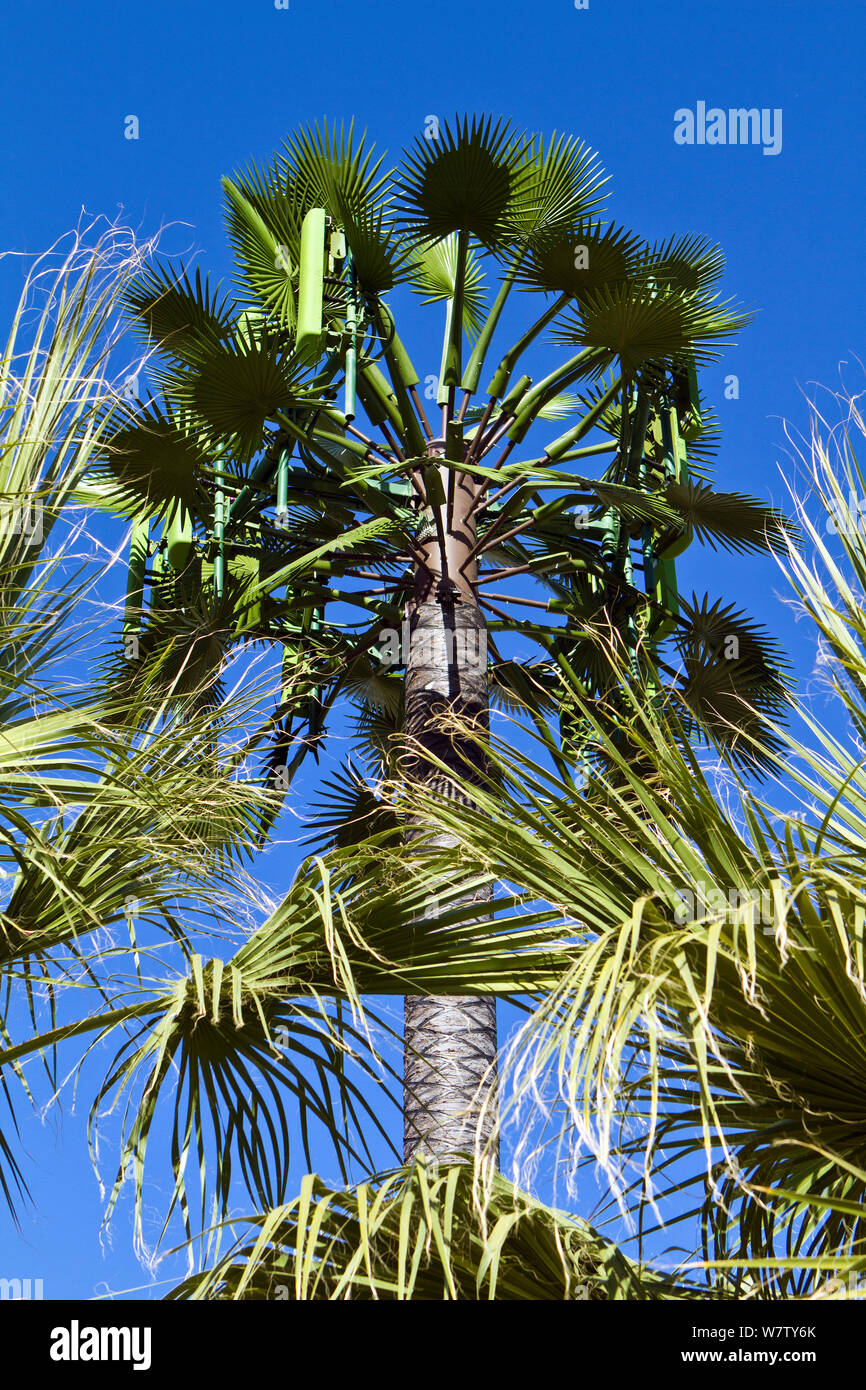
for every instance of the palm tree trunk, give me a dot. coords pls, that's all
(450, 1041)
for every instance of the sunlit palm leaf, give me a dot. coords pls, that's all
(434, 275)
(266, 249)
(379, 254)
(644, 325)
(253, 1027)
(423, 1235)
(558, 185)
(331, 169)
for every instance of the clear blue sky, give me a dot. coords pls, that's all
(214, 84)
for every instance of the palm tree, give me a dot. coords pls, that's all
(416, 521)
(423, 1235)
(714, 1016)
(119, 802)
(124, 825)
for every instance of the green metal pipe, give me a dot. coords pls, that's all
(219, 531)
(676, 465)
(472, 375)
(351, 371)
(311, 285)
(560, 448)
(503, 372)
(382, 393)
(262, 473)
(550, 386)
(586, 452)
(406, 370)
(135, 577)
(516, 394)
(453, 357)
(399, 367)
(638, 437)
(178, 535)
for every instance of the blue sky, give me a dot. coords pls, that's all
(215, 84)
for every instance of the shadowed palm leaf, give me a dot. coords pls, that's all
(177, 315)
(471, 179)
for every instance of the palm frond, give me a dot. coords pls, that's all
(644, 325)
(425, 1235)
(731, 520)
(689, 264)
(237, 387)
(468, 180)
(253, 1029)
(330, 168)
(347, 811)
(152, 461)
(558, 185)
(267, 249)
(177, 315)
(580, 259)
(434, 274)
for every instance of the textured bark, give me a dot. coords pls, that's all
(450, 1042)
(450, 1047)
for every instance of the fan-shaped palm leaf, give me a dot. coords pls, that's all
(379, 253)
(177, 315)
(252, 1029)
(580, 259)
(690, 264)
(434, 275)
(730, 519)
(330, 169)
(557, 186)
(422, 1234)
(469, 180)
(347, 811)
(152, 461)
(266, 246)
(237, 387)
(646, 325)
